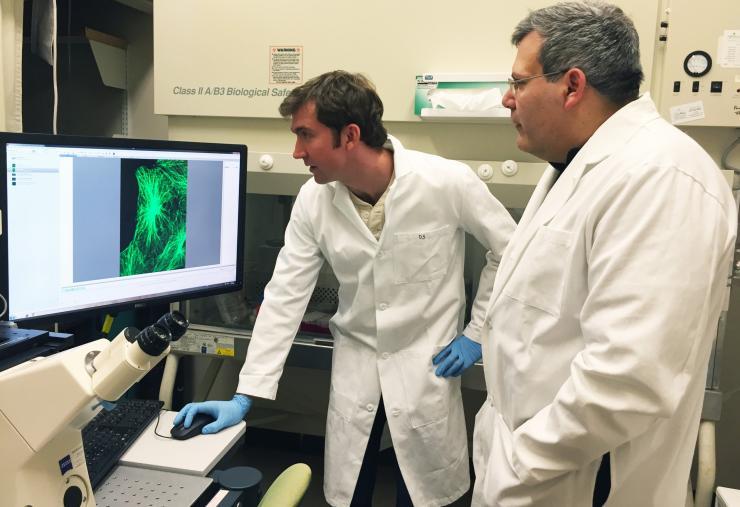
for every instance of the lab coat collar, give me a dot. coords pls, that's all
(401, 165)
(552, 192)
(617, 130)
(343, 202)
(400, 162)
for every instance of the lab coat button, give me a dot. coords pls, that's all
(395, 412)
(370, 407)
(385, 355)
(383, 306)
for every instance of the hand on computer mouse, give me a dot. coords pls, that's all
(225, 413)
(180, 432)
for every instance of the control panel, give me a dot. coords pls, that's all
(700, 83)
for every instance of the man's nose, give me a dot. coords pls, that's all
(508, 100)
(298, 150)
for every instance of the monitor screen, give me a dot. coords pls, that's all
(90, 223)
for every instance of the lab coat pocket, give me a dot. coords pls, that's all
(421, 256)
(502, 486)
(540, 281)
(427, 396)
(435, 414)
(342, 444)
(482, 439)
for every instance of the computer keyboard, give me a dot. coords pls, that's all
(107, 436)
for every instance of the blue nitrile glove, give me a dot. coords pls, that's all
(459, 355)
(226, 413)
(107, 405)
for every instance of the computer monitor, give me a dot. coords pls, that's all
(93, 223)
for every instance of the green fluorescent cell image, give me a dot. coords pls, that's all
(153, 215)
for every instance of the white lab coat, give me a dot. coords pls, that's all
(601, 322)
(400, 301)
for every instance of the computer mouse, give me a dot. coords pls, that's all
(180, 432)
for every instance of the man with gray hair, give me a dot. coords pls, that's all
(606, 302)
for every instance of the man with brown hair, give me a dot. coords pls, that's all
(391, 222)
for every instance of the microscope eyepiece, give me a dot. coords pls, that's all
(130, 333)
(154, 339)
(175, 322)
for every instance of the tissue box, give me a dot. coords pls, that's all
(461, 97)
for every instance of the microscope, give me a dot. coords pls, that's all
(45, 403)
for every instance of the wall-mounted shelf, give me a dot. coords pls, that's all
(146, 6)
(110, 56)
(498, 115)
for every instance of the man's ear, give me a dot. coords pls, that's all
(575, 82)
(351, 135)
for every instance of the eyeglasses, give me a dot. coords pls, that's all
(515, 84)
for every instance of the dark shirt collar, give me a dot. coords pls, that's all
(560, 166)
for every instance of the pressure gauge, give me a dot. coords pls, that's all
(697, 63)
